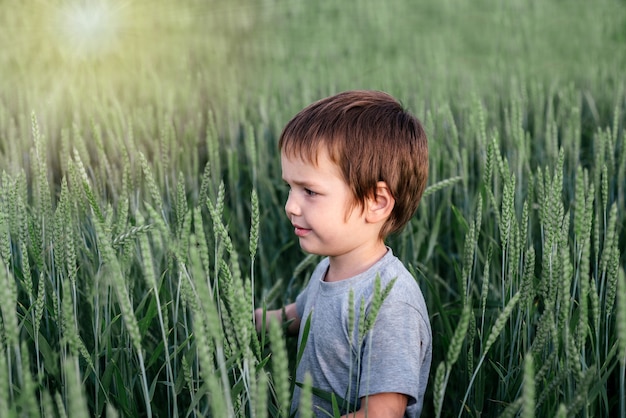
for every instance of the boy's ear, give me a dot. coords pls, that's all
(379, 208)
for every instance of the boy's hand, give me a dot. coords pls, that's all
(258, 319)
(273, 315)
(288, 314)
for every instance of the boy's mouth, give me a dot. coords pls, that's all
(299, 231)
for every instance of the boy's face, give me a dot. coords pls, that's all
(319, 206)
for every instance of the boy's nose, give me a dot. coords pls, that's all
(291, 206)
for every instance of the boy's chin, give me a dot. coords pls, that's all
(310, 250)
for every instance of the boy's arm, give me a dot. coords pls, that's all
(382, 405)
(290, 314)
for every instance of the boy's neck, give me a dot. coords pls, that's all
(345, 266)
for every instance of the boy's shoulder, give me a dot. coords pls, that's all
(389, 268)
(404, 289)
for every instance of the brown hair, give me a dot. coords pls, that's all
(371, 138)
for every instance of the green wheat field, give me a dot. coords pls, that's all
(141, 200)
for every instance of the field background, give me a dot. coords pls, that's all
(141, 203)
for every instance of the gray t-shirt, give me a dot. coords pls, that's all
(394, 356)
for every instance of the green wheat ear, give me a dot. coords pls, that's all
(501, 322)
(280, 368)
(8, 298)
(153, 189)
(609, 260)
(224, 238)
(469, 250)
(5, 237)
(528, 277)
(621, 337)
(621, 316)
(77, 404)
(484, 292)
(528, 389)
(561, 412)
(6, 390)
(444, 369)
(456, 343)
(28, 392)
(47, 406)
(43, 187)
(69, 327)
(305, 408)
(58, 401)
(259, 400)
(377, 301)
(512, 409)
(440, 185)
(440, 388)
(582, 394)
(181, 208)
(111, 411)
(254, 225)
(508, 209)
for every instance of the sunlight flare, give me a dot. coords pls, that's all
(87, 28)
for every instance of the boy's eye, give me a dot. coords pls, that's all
(309, 192)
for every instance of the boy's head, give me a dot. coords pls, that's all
(371, 138)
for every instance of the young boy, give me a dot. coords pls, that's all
(356, 165)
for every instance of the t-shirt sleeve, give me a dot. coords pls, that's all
(395, 352)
